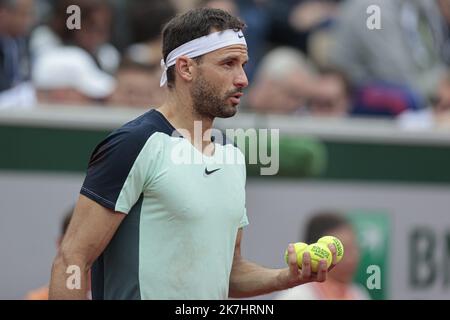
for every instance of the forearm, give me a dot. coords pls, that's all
(249, 279)
(69, 279)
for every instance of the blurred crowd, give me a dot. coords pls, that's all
(324, 58)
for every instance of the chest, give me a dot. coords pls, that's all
(204, 189)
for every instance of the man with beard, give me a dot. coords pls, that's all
(152, 225)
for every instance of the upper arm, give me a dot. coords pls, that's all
(91, 228)
(118, 170)
(120, 167)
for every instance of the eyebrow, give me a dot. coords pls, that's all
(233, 57)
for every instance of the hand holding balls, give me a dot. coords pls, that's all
(318, 251)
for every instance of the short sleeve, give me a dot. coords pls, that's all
(244, 220)
(118, 169)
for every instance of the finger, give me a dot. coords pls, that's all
(333, 250)
(292, 259)
(331, 267)
(306, 266)
(322, 271)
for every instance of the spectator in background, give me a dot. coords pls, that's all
(331, 95)
(43, 9)
(147, 19)
(42, 293)
(137, 84)
(437, 116)
(93, 37)
(405, 51)
(70, 75)
(293, 21)
(441, 103)
(283, 23)
(444, 7)
(283, 83)
(339, 285)
(184, 5)
(226, 5)
(256, 14)
(385, 99)
(140, 70)
(16, 18)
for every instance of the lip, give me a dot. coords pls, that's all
(236, 98)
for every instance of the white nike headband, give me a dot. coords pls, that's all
(201, 46)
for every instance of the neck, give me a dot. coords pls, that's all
(179, 111)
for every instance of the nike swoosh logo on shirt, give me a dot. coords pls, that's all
(209, 172)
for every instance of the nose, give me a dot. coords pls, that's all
(241, 80)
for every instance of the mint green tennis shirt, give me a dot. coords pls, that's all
(183, 211)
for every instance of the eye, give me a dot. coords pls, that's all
(229, 63)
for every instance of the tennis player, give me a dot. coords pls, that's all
(152, 227)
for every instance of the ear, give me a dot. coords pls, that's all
(184, 67)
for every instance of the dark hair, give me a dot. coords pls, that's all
(322, 223)
(194, 24)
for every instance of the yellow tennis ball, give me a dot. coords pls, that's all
(337, 244)
(299, 249)
(317, 252)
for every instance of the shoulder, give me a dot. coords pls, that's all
(126, 154)
(129, 140)
(144, 126)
